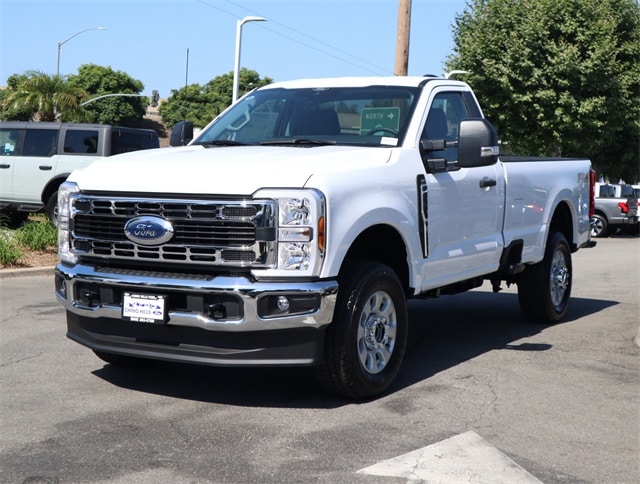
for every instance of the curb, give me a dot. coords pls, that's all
(29, 271)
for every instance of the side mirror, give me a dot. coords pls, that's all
(478, 143)
(181, 134)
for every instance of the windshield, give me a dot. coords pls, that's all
(369, 116)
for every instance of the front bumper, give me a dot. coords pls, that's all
(210, 320)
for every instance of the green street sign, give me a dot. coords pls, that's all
(377, 118)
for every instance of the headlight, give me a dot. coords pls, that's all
(300, 241)
(65, 191)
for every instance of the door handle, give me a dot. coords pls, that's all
(5, 166)
(487, 182)
(45, 167)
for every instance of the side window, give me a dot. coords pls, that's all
(443, 121)
(81, 141)
(124, 141)
(40, 142)
(9, 141)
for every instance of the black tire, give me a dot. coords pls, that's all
(365, 343)
(544, 288)
(119, 360)
(599, 226)
(51, 208)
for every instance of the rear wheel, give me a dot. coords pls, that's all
(544, 288)
(365, 343)
(599, 226)
(51, 208)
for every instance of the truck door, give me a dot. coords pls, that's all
(37, 164)
(463, 208)
(10, 142)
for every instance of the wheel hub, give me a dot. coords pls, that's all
(377, 332)
(559, 278)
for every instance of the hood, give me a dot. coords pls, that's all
(238, 170)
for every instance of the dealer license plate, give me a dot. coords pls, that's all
(144, 308)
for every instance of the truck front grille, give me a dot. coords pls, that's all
(238, 233)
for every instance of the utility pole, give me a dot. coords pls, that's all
(402, 41)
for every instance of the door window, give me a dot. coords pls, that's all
(443, 122)
(40, 142)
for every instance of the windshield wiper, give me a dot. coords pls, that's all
(220, 142)
(298, 142)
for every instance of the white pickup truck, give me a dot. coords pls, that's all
(295, 227)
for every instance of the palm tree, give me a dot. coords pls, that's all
(46, 97)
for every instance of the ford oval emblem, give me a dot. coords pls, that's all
(148, 230)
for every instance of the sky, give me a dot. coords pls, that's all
(166, 44)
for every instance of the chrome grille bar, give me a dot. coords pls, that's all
(225, 233)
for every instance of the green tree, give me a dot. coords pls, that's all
(42, 97)
(200, 104)
(190, 103)
(117, 110)
(557, 76)
(20, 114)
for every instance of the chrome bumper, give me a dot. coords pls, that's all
(249, 298)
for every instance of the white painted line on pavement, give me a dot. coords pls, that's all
(463, 458)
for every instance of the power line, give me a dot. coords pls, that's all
(360, 63)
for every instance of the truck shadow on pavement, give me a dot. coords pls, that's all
(443, 333)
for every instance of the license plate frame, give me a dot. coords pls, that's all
(144, 308)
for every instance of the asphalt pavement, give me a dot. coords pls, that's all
(483, 397)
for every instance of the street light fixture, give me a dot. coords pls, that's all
(455, 72)
(67, 40)
(236, 67)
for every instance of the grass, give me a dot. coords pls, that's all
(37, 234)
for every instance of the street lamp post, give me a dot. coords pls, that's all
(236, 66)
(67, 40)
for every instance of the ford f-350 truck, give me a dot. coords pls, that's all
(294, 228)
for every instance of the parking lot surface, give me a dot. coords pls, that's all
(552, 404)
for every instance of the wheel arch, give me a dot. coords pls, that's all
(52, 186)
(562, 221)
(381, 243)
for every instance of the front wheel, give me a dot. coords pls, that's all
(544, 288)
(365, 343)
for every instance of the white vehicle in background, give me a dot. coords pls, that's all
(295, 227)
(35, 158)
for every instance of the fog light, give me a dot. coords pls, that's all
(276, 306)
(283, 303)
(87, 295)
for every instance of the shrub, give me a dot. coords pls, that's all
(37, 235)
(9, 251)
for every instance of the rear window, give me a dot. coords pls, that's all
(81, 141)
(125, 141)
(626, 191)
(607, 191)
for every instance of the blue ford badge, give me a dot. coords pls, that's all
(148, 230)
